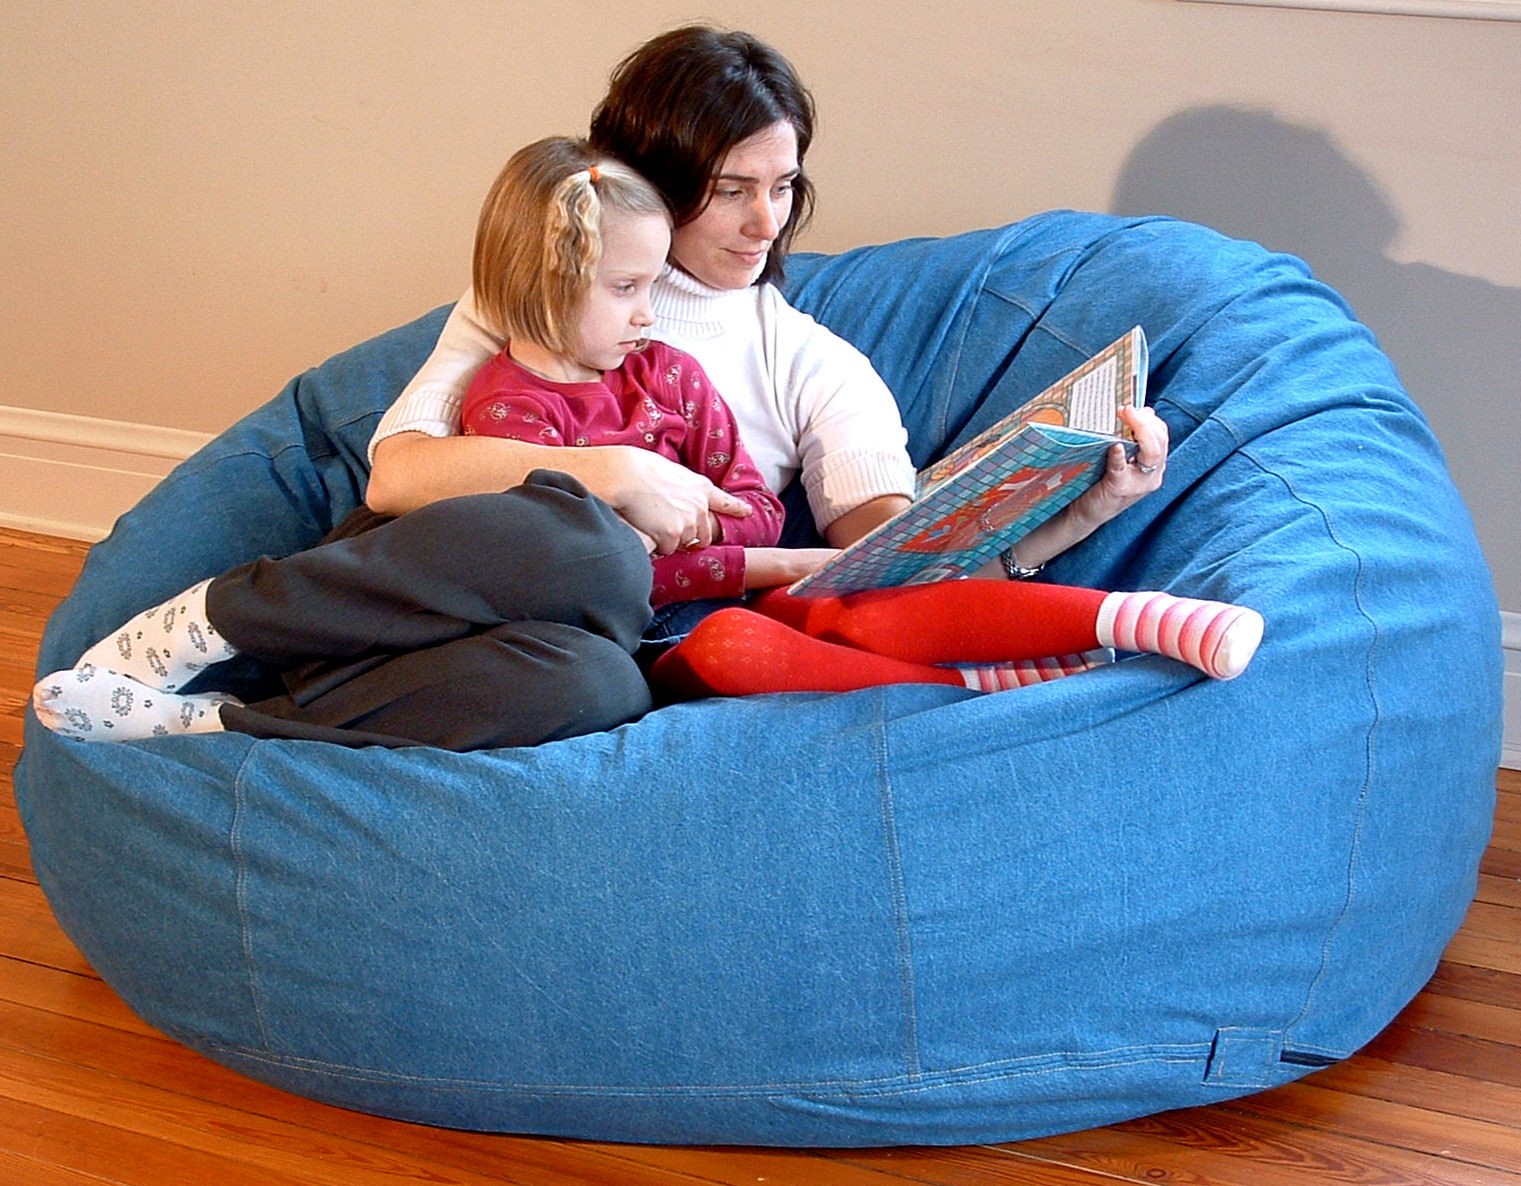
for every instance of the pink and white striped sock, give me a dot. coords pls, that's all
(1021, 673)
(1217, 638)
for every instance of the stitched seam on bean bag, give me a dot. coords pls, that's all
(1062, 1062)
(245, 928)
(1354, 852)
(903, 937)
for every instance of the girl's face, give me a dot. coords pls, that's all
(616, 314)
(749, 202)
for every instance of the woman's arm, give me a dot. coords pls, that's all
(1123, 484)
(417, 458)
(851, 445)
(853, 524)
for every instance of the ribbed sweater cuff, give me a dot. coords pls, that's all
(847, 479)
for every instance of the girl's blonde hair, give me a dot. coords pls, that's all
(539, 238)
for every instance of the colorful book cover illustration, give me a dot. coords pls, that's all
(1002, 484)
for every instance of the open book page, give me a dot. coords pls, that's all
(1002, 484)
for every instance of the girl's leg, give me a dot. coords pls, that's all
(990, 621)
(735, 652)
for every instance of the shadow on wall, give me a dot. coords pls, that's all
(1455, 339)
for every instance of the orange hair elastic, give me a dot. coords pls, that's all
(596, 174)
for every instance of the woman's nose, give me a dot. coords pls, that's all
(763, 223)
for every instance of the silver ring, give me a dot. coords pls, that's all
(1146, 469)
(692, 543)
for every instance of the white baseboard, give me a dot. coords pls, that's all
(1510, 628)
(74, 476)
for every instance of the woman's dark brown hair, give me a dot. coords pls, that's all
(677, 105)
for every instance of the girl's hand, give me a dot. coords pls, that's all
(766, 568)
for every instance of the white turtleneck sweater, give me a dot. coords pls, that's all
(805, 400)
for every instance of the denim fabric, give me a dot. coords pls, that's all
(904, 915)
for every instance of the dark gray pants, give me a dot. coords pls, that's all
(488, 620)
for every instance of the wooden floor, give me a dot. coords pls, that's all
(89, 1094)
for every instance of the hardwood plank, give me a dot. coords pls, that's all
(166, 1092)
(973, 1166)
(1483, 951)
(82, 997)
(28, 930)
(1481, 1143)
(1507, 830)
(730, 1167)
(1498, 862)
(1457, 1054)
(146, 1122)
(1477, 984)
(1473, 1019)
(19, 1170)
(1227, 1146)
(83, 1149)
(1374, 1078)
(1499, 891)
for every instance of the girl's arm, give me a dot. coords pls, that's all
(713, 448)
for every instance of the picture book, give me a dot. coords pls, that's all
(998, 487)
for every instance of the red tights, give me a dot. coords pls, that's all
(901, 635)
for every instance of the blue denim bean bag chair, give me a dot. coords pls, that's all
(904, 915)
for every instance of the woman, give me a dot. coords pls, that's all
(721, 124)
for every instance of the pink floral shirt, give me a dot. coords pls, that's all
(660, 400)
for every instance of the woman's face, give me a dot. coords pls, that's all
(749, 202)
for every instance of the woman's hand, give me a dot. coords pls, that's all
(668, 504)
(1125, 482)
(766, 568)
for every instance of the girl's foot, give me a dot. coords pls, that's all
(1217, 638)
(1021, 673)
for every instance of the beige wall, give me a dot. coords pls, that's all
(198, 200)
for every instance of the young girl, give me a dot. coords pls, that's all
(580, 369)
(568, 246)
